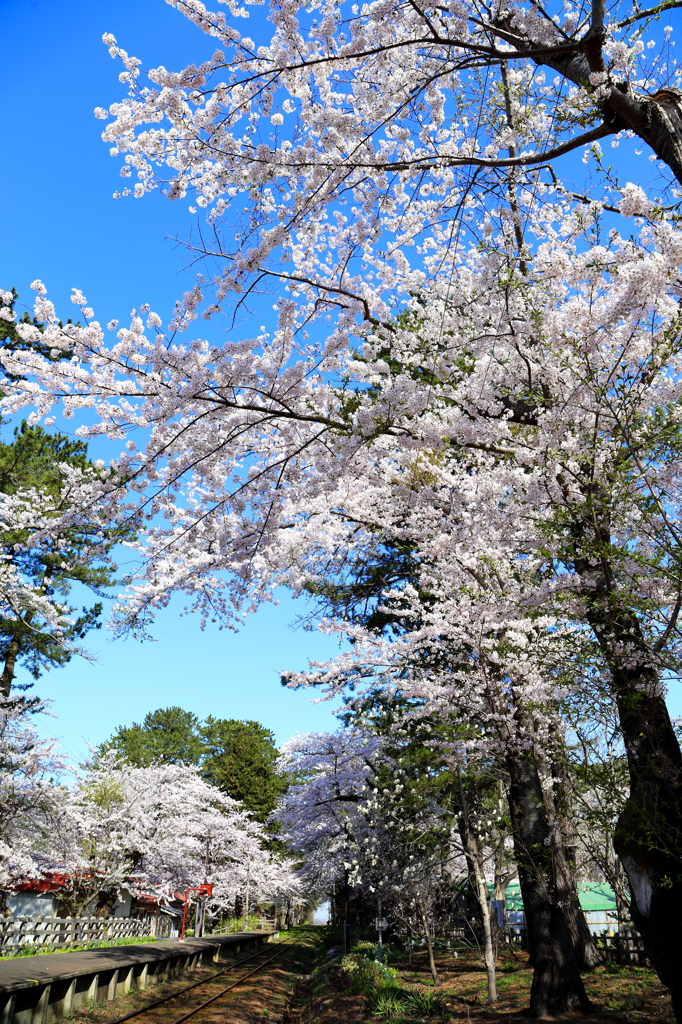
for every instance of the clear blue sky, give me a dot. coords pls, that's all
(61, 224)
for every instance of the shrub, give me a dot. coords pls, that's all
(392, 999)
(425, 1004)
(368, 949)
(388, 1001)
(365, 975)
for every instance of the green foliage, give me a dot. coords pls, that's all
(368, 949)
(10, 339)
(232, 925)
(21, 951)
(633, 1002)
(35, 460)
(388, 1002)
(367, 975)
(425, 1004)
(239, 758)
(168, 735)
(393, 999)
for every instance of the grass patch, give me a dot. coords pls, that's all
(20, 951)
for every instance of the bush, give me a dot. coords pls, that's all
(231, 925)
(363, 974)
(9, 952)
(368, 949)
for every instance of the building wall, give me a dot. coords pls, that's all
(32, 904)
(124, 905)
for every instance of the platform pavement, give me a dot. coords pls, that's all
(23, 972)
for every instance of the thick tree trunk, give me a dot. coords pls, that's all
(557, 987)
(648, 836)
(586, 953)
(106, 901)
(566, 886)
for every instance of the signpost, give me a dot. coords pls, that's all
(381, 923)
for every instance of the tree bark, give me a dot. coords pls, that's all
(586, 953)
(476, 865)
(648, 837)
(429, 944)
(566, 886)
(557, 987)
(7, 677)
(483, 895)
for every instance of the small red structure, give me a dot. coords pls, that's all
(205, 890)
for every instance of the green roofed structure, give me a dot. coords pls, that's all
(597, 900)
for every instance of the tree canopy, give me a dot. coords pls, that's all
(476, 360)
(237, 757)
(46, 551)
(165, 736)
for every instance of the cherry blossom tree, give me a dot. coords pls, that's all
(497, 378)
(27, 793)
(414, 449)
(160, 825)
(365, 823)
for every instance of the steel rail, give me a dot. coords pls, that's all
(234, 984)
(182, 991)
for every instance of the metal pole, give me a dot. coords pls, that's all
(184, 917)
(346, 921)
(246, 904)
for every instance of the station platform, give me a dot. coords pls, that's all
(36, 989)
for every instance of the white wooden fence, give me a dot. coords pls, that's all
(66, 931)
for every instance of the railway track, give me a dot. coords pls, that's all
(150, 1007)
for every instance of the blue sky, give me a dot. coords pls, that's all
(61, 224)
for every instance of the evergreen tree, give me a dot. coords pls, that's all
(167, 735)
(237, 757)
(41, 477)
(241, 760)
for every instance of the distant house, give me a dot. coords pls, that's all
(597, 900)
